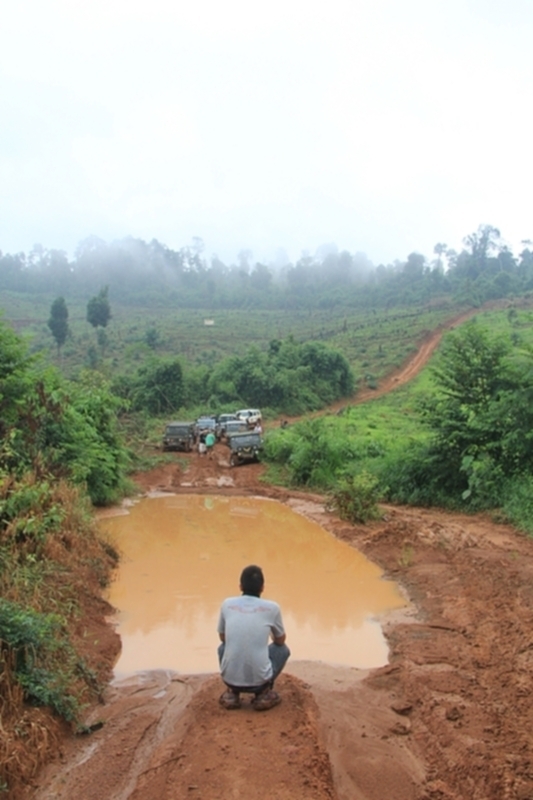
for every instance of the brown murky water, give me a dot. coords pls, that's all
(183, 554)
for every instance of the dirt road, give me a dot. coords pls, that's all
(449, 717)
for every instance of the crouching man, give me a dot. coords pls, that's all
(248, 663)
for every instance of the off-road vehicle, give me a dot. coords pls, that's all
(244, 447)
(233, 426)
(179, 436)
(250, 415)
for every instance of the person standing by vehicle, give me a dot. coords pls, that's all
(248, 663)
(202, 448)
(210, 439)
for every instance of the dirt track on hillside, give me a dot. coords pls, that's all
(449, 717)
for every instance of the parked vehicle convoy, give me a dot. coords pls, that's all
(179, 436)
(250, 415)
(244, 447)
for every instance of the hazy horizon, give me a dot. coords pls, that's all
(381, 126)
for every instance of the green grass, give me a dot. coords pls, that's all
(374, 341)
(385, 438)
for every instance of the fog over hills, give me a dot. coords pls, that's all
(384, 127)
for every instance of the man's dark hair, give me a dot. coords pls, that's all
(252, 580)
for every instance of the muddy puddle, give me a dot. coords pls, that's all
(183, 554)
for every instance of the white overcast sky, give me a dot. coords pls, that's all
(384, 126)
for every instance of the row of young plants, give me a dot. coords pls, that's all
(459, 437)
(60, 452)
(373, 341)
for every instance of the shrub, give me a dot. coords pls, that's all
(355, 498)
(517, 505)
(42, 655)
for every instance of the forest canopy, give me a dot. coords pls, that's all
(152, 274)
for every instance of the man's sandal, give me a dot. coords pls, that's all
(230, 700)
(266, 700)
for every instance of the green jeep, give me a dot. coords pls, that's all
(179, 436)
(244, 447)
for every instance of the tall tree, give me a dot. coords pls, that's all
(466, 414)
(482, 243)
(440, 250)
(98, 309)
(58, 322)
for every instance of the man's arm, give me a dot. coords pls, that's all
(222, 637)
(279, 639)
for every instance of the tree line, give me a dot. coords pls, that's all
(152, 274)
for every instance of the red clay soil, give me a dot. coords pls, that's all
(450, 716)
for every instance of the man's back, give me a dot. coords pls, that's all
(247, 623)
(249, 661)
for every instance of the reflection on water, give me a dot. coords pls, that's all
(182, 555)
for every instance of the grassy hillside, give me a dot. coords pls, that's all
(388, 440)
(374, 341)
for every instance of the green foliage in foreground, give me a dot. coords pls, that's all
(355, 498)
(56, 427)
(42, 655)
(51, 557)
(54, 435)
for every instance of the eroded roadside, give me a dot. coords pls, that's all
(448, 717)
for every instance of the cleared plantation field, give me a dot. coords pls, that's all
(374, 341)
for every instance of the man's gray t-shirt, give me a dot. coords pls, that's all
(247, 623)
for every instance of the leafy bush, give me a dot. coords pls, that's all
(316, 452)
(290, 377)
(312, 454)
(15, 377)
(416, 475)
(29, 514)
(43, 657)
(60, 428)
(485, 481)
(517, 502)
(355, 498)
(157, 387)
